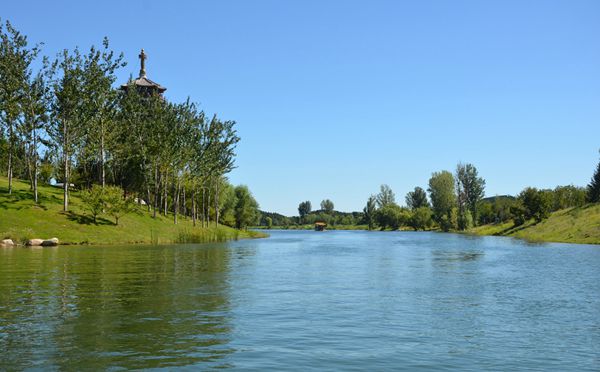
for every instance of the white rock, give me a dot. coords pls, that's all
(6, 242)
(35, 242)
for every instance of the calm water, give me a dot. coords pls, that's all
(304, 300)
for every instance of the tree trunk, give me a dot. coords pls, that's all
(35, 166)
(183, 208)
(28, 156)
(66, 170)
(194, 208)
(208, 207)
(176, 202)
(10, 162)
(102, 170)
(156, 190)
(147, 196)
(217, 203)
(203, 206)
(165, 194)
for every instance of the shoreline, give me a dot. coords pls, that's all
(477, 231)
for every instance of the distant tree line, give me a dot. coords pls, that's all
(452, 201)
(65, 120)
(456, 202)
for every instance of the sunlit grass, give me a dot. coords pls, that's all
(573, 225)
(21, 219)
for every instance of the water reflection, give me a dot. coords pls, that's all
(303, 300)
(99, 308)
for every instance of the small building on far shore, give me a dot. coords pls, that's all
(320, 226)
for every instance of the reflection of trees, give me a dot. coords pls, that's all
(130, 307)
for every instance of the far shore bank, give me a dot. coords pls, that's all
(579, 225)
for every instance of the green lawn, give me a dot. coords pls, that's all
(573, 225)
(21, 219)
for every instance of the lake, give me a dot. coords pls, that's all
(302, 300)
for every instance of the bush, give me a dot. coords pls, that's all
(421, 218)
(93, 200)
(518, 212)
(393, 216)
(537, 203)
(116, 204)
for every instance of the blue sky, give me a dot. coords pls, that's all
(334, 98)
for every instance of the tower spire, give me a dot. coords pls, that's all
(143, 57)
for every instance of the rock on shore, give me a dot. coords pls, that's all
(44, 243)
(6, 243)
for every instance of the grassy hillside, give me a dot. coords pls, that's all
(21, 219)
(573, 225)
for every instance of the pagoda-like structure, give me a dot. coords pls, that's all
(144, 85)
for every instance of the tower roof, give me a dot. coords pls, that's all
(142, 81)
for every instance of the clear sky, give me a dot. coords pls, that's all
(334, 98)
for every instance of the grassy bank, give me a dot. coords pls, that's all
(21, 219)
(573, 225)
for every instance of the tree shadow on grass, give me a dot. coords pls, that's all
(20, 199)
(83, 219)
(514, 229)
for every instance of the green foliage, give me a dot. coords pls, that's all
(116, 204)
(304, 208)
(269, 222)
(464, 220)
(369, 211)
(246, 208)
(228, 204)
(537, 203)
(519, 213)
(421, 218)
(571, 225)
(385, 197)
(21, 218)
(392, 216)
(443, 198)
(93, 200)
(470, 191)
(593, 189)
(327, 206)
(168, 154)
(417, 199)
(568, 196)
(277, 219)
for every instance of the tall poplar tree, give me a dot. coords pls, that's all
(35, 105)
(15, 61)
(66, 110)
(369, 211)
(443, 198)
(99, 103)
(470, 189)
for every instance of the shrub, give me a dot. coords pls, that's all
(93, 200)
